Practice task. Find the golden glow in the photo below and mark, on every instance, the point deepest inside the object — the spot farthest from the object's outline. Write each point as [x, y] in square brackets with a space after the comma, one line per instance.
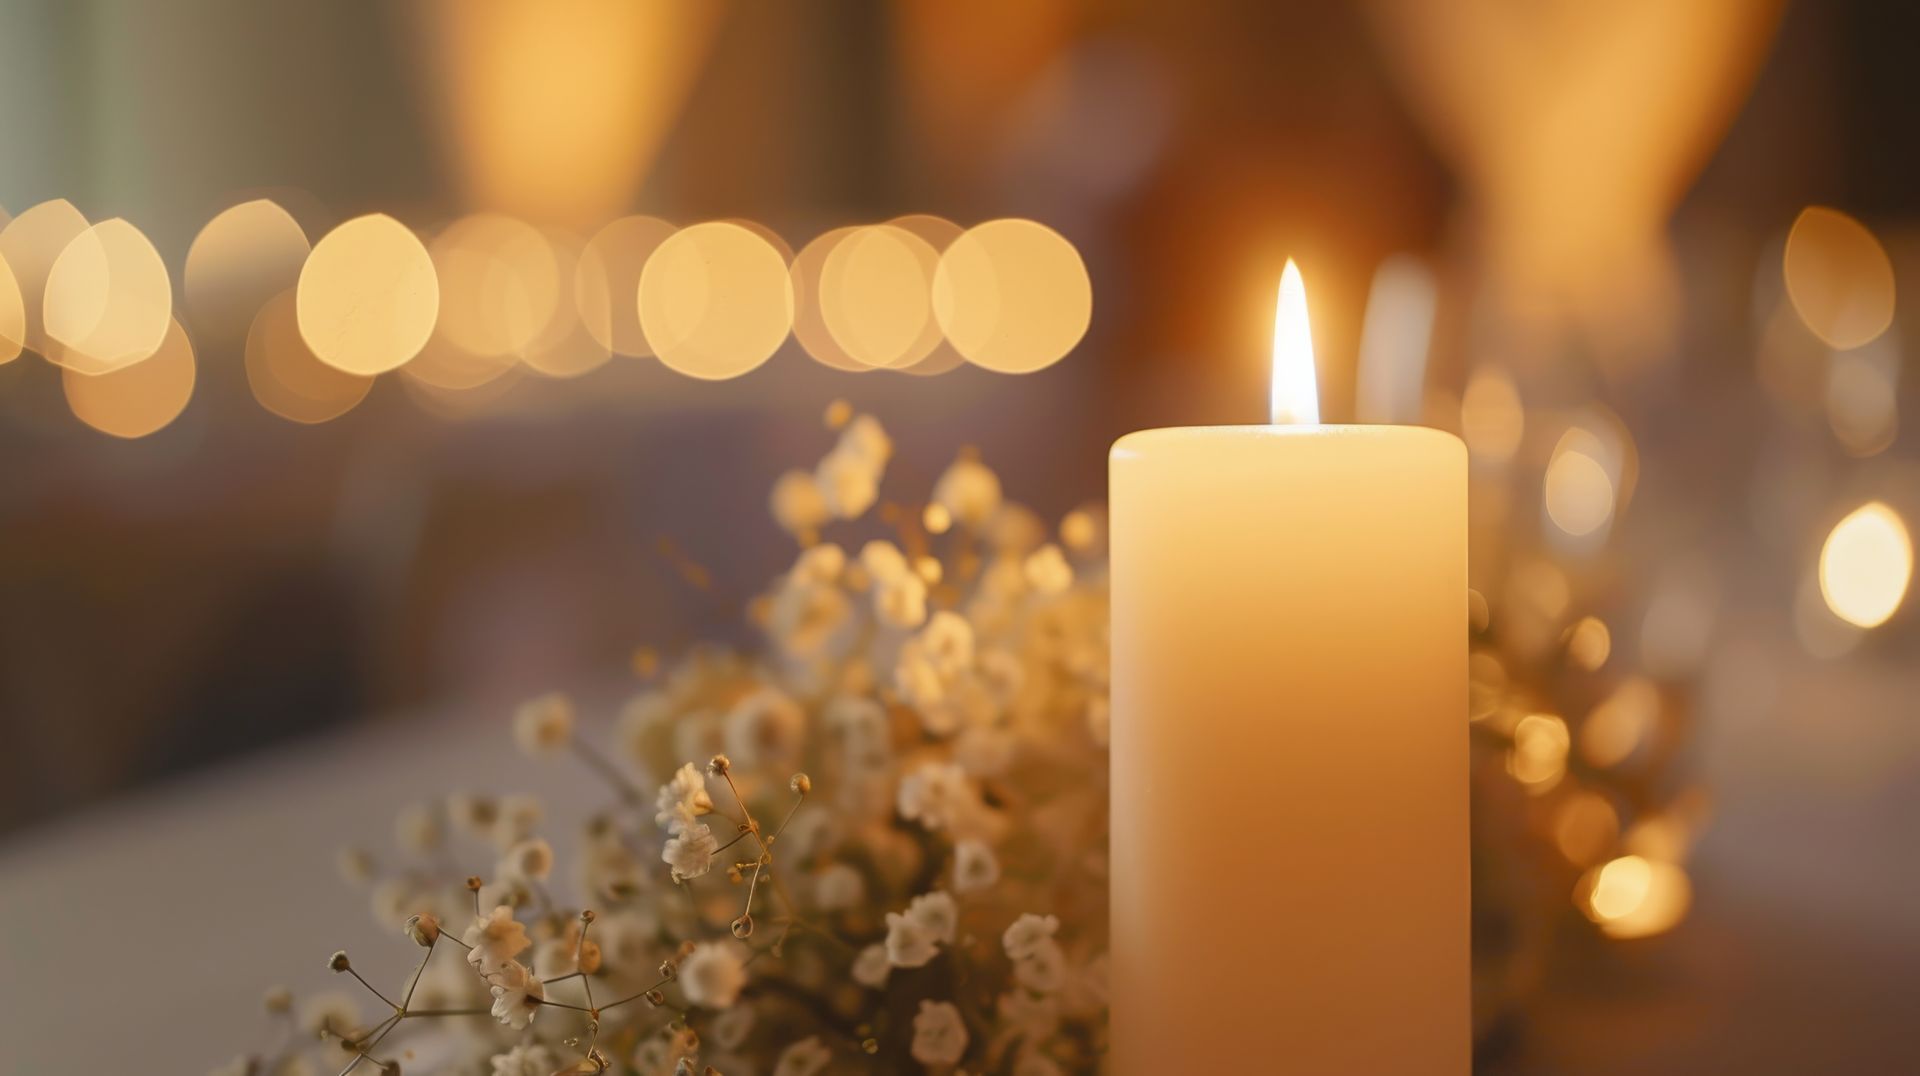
[1012, 296]
[1491, 417]
[1866, 564]
[939, 234]
[499, 284]
[244, 256]
[607, 281]
[135, 400]
[1861, 397]
[1636, 897]
[876, 296]
[108, 300]
[1579, 494]
[1589, 643]
[368, 296]
[1539, 756]
[1585, 827]
[1620, 723]
[30, 243]
[13, 315]
[715, 300]
[287, 377]
[809, 324]
[1838, 277]
[565, 348]
[936, 519]
[1295, 389]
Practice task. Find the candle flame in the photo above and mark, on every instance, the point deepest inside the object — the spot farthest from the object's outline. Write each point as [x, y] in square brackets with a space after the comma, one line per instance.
[1296, 393]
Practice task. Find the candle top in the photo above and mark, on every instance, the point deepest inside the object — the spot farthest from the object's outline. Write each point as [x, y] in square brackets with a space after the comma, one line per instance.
[1169, 437]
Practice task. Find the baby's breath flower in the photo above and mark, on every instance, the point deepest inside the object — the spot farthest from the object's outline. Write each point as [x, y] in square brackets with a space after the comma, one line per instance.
[1048, 571]
[517, 994]
[527, 1059]
[333, 1012]
[939, 1035]
[914, 937]
[799, 505]
[838, 888]
[1044, 969]
[278, 999]
[969, 491]
[544, 725]
[682, 799]
[808, 1057]
[473, 814]
[518, 818]
[494, 940]
[529, 860]
[872, 966]
[765, 729]
[847, 483]
[423, 928]
[713, 974]
[1027, 933]
[690, 852]
[974, 866]
[937, 795]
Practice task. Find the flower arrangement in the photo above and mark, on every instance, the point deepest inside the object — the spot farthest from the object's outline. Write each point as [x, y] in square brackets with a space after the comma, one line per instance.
[878, 843]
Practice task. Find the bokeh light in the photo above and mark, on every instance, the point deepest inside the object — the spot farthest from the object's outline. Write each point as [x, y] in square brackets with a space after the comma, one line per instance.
[564, 348]
[138, 399]
[1585, 827]
[607, 281]
[1012, 296]
[1579, 488]
[715, 300]
[1539, 756]
[1589, 643]
[13, 315]
[939, 234]
[809, 324]
[287, 377]
[500, 284]
[1491, 417]
[1839, 278]
[368, 296]
[1635, 897]
[876, 296]
[30, 243]
[1861, 396]
[1866, 564]
[108, 300]
[244, 257]
[1622, 721]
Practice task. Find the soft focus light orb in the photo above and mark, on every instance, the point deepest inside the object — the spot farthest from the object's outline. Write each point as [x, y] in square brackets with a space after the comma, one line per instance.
[1839, 278]
[1636, 897]
[715, 300]
[1012, 296]
[1862, 397]
[565, 348]
[1589, 643]
[137, 399]
[287, 377]
[1585, 827]
[108, 300]
[876, 296]
[368, 297]
[1539, 755]
[607, 281]
[1866, 564]
[809, 323]
[1491, 417]
[246, 255]
[1622, 721]
[30, 243]
[13, 315]
[939, 234]
[1579, 491]
[500, 283]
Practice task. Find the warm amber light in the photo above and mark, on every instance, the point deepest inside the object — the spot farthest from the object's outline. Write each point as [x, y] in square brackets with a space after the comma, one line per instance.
[715, 300]
[108, 300]
[135, 400]
[287, 377]
[13, 315]
[30, 243]
[368, 296]
[875, 296]
[1865, 565]
[1012, 296]
[246, 255]
[1838, 278]
[1636, 897]
[1296, 392]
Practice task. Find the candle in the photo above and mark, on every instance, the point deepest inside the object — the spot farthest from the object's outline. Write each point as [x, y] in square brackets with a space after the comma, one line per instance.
[1289, 857]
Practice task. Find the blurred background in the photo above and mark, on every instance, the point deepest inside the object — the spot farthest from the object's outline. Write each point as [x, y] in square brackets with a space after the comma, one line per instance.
[1645, 257]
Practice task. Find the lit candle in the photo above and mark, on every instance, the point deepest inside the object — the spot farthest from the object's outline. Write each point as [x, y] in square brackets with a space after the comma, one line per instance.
[1289, 858]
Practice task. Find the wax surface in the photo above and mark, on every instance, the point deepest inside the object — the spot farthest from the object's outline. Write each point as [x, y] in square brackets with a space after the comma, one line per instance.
[1289, 745]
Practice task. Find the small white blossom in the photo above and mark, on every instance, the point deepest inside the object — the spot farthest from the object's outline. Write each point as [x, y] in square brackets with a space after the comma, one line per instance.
[1027, 933]
[914, 936]
[1044, 969]
[1048, 571]
[713, 975]
[333, 1012]
[475, 815]
[531, 1059]
[838, 887]
[939, 1035]
[690, 852]
[517, 994]
[798, 504]
[936, 795]
[682, 799]
[544, 724]
[517, 819]
[969, 491]
[974, 867]
[494, 940]
[872, 966]
[529, 860]
[848, 483]
[808, 1057]
[765, 729]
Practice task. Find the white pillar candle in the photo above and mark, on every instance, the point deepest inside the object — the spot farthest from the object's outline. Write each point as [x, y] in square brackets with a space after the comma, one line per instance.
[1289, 857]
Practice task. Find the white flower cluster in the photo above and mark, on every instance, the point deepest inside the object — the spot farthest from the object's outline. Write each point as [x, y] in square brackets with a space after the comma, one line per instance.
[947, 689]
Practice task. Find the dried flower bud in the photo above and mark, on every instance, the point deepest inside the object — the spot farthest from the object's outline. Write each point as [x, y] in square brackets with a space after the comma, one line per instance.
[685, 951]
[743, 926]
[586, 915]
[668, 969]
[801, 784]
[338, 961]
[474, 883]
[719, 765]
[589, 957]
[278, 1000]
[655, 998]
[424, 929]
